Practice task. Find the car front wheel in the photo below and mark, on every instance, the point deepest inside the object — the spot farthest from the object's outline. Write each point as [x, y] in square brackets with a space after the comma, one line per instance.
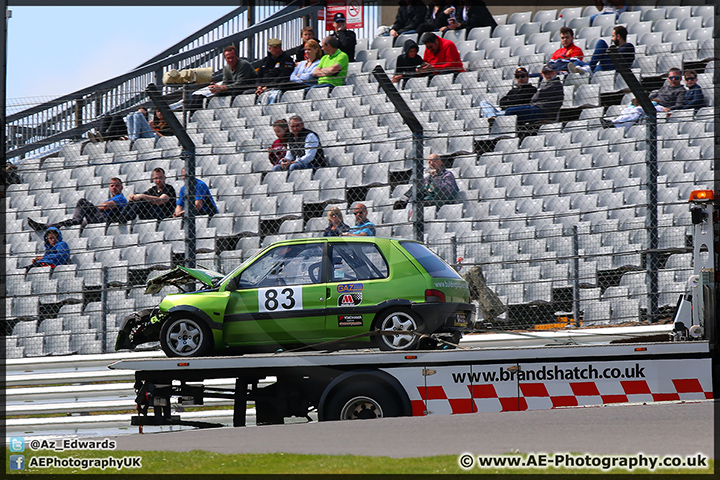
[185, 337]
[400, 320]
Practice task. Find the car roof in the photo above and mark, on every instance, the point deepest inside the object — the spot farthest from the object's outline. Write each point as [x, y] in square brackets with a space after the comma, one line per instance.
[373, 240]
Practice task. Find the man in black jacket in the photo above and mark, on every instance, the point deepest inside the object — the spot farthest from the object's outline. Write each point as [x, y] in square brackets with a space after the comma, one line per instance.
[469, 15]
[411, 13]
[346, 37]
[545, 103]
[520, 94]
[275, 69]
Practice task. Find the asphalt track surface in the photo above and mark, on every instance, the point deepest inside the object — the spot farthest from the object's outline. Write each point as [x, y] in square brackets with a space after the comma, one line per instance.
[651, 429]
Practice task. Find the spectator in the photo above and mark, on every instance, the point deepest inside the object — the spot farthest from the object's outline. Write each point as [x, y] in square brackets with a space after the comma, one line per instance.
[435, 19]
[600, 61]
[363, 227]
[345, 37]
[629, 115]
[278, 150]
[411, 14]
[333, 66]
[303, 73]
[694, 97]
[567, 52]
[86, 213]
[303, 148]
[112, 127]
[545, 103]
[160, 126]
[520, 94]
[441, 56]
[138, 125]
[407, 62]
[57, 252]
[204, 203]
[299, 53]
[438, 187]
[336, 226]
[672, 95]
[238, 75]
[609, 7]
[155, 203]
[275, 69]
[469, 15]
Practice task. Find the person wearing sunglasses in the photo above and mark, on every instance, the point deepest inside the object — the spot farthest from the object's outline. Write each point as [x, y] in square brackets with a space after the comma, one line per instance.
[363, 227]
[672, 95]
[520, 94]
[336, 225]
[694, 97]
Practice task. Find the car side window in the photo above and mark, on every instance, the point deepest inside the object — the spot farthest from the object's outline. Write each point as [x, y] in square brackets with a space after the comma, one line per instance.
[284, 265]
[357, 261]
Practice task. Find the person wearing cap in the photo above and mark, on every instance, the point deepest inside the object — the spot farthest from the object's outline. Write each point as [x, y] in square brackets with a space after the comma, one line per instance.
[347, 38]
[520, 94]
[545, 103]
[441, 56]
[333, 66]
[275, 69]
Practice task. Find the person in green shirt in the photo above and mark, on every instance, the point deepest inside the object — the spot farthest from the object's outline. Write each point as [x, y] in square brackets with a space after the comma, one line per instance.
[333, 65]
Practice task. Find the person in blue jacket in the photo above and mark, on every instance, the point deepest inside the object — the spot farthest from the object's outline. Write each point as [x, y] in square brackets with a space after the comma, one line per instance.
[57, 252]
[694, 97]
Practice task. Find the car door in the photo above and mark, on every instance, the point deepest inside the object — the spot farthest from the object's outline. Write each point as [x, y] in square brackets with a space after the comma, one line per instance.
[358, 279]
[280, 298]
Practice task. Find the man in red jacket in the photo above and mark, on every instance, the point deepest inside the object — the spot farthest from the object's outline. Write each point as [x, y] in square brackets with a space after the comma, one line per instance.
[567, 52]
[441, 56]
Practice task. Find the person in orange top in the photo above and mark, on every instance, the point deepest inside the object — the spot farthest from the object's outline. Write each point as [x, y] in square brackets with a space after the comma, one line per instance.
[567, 52]
[441, 56]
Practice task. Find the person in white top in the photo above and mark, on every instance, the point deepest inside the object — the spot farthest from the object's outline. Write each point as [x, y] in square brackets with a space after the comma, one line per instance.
[303, 73]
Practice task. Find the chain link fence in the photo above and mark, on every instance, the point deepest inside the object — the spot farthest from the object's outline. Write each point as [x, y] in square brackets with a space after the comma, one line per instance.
[553, 215]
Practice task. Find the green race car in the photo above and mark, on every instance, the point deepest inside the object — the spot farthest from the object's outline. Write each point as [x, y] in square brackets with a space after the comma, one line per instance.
[336, 291]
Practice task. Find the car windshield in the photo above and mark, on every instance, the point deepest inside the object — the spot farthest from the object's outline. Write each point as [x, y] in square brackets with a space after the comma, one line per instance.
[434, 265]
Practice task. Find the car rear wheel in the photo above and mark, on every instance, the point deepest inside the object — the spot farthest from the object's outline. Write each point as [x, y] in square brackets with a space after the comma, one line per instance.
[185, 337]
[398, 319]
[360, 401]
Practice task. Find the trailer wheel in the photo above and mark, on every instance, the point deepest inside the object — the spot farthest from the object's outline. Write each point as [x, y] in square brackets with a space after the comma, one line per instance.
[360, 401]
[398, 319]
[184, 336]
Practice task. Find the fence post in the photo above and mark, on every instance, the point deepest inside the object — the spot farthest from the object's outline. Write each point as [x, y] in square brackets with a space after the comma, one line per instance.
[576, 275]
[417, 130]
[104, 305]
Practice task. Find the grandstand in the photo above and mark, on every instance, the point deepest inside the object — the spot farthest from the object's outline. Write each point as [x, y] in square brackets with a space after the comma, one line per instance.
[535, 202]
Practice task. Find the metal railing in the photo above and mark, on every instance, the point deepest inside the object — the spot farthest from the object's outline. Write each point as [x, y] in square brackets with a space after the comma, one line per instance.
[47, 126]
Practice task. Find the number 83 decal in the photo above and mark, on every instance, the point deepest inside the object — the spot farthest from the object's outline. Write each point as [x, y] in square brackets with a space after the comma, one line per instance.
[281, 298]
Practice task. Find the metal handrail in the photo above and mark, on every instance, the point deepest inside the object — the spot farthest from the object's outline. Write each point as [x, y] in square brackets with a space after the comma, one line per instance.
[125, 91]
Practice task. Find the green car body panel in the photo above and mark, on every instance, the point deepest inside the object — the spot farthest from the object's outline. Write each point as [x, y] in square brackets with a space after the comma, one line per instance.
[314, 290]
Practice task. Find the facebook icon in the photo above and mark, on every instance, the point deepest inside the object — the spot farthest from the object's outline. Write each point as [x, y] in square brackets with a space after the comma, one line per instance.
[17, 462]
[17, 444]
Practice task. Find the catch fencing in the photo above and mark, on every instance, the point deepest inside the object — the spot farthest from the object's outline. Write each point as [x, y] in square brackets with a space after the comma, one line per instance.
[555, 215]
